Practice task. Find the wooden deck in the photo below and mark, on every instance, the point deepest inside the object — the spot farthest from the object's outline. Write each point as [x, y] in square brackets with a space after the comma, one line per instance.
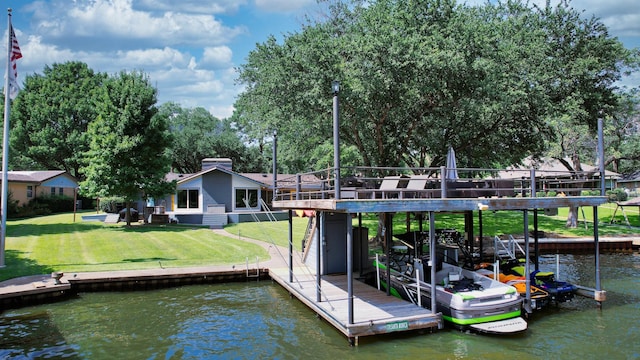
[374, 312]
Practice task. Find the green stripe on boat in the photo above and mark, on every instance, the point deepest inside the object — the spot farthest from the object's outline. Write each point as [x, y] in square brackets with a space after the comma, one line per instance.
[483, 319]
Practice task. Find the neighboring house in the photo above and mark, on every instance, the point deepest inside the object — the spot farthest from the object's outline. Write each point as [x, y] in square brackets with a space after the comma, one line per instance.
[25, 186]
[630, 182]
[551, 173]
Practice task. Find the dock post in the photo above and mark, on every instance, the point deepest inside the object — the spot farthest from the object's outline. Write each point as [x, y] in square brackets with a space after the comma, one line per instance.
[336, 138]
[536, 242]
[388, 224]
[318, 257]
[350, 269]
[527, 265]
[443, 182]
[290, 245]
[432, 258]
[597, 255]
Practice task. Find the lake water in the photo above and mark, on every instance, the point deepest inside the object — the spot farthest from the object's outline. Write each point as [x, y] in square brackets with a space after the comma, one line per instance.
[258, 320]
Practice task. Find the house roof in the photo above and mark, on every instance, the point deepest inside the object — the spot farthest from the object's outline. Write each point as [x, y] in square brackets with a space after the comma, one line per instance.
[186, 177]
[263, 179]
[635, 176]
[32, 176]
[550, 167]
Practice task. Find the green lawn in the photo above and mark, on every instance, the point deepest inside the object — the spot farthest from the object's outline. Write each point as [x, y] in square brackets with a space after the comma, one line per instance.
[55, 243]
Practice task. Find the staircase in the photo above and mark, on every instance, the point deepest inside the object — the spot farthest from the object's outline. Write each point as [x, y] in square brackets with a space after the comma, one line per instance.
[214, 221]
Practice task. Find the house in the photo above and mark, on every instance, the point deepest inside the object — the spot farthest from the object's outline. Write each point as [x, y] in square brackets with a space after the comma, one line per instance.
[25, 186]
[630, 182]
[217, 195]
[553, 175]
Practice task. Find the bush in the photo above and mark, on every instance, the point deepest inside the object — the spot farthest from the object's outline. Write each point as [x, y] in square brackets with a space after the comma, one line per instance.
[617, 195]
[12, 205]
[111, 204]
[54, 203]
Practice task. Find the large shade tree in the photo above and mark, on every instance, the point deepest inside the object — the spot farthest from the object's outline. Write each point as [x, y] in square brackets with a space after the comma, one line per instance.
[128, 154]
[51, 114]
[197, 135]
[583, 64]
[624, 134]
[492, 81]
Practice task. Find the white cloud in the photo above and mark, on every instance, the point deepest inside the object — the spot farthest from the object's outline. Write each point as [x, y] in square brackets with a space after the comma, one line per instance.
[35, 53]
[217, 57]
[117, 19]
[166, 57]
[193, 6]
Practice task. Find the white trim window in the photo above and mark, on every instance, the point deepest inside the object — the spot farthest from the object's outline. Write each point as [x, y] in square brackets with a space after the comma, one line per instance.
[29, 191]
[252, 198]
[188, 199]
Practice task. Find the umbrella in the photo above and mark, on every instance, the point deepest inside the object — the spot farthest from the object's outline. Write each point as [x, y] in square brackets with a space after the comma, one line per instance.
[452, 171]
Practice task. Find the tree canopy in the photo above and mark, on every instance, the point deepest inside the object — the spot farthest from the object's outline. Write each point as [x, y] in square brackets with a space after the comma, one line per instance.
[128, 153]
[497, 82]
[197, 135]
[51, 114]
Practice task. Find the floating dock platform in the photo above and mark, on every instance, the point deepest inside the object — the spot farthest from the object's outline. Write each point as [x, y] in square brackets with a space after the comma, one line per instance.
[374, 311]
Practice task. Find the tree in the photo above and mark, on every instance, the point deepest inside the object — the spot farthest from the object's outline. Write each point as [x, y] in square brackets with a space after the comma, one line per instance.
[583, 64]
[498, 82]
[128, 153]
[50, 117]
[197, 135]
[622, 134]
[420, 76]
[417, 76]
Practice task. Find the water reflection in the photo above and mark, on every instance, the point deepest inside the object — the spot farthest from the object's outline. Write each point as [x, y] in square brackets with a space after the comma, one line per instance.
[260, 320]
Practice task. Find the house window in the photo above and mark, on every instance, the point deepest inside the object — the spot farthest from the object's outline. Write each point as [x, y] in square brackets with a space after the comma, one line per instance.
[53, 191]
[29, 191]
[60, 191]
[251, 195]
[188, 199]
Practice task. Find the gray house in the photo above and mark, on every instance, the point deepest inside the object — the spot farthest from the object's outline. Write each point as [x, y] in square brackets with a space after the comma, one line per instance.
[217, 195]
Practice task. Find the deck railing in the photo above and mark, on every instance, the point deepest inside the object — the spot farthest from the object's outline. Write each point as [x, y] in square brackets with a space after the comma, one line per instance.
[416, 183]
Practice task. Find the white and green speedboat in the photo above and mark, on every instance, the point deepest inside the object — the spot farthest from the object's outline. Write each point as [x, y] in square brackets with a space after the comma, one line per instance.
[466, 299]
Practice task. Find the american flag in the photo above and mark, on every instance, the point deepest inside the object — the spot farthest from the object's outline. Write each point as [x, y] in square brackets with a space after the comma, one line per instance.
[13, 72]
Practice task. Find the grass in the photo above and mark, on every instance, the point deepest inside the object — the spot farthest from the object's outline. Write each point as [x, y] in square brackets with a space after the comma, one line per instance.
[56, 243]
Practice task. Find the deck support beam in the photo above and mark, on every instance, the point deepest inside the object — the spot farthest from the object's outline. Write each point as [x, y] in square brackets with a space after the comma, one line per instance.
[349, 269]
[318, 257]
[432, 258]
[290, 245]
[596, 245]
[527, 263]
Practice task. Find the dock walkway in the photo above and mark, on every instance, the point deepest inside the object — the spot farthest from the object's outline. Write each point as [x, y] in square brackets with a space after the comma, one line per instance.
[374, 311]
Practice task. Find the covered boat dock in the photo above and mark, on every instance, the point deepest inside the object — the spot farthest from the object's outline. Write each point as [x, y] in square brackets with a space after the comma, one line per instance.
[340, 250]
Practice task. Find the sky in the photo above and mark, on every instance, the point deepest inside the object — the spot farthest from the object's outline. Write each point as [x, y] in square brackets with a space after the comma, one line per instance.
[191, 48]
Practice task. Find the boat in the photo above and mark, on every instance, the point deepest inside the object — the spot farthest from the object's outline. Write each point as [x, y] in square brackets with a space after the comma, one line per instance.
[467, 300]
[560, 291]
[539, 297]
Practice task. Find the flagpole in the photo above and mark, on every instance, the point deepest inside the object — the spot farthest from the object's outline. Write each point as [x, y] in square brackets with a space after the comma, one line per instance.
[5, 144]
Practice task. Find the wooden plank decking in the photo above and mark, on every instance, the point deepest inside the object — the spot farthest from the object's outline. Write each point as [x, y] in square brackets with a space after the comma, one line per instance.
[373, 311]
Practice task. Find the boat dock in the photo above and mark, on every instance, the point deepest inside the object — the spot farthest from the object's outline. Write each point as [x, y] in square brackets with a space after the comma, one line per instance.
[609, 244]
[554, 245]
[374, 311]
[39, 289]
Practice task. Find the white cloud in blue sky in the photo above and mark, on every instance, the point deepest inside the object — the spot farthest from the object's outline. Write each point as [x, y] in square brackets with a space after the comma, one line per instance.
[190, 48]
